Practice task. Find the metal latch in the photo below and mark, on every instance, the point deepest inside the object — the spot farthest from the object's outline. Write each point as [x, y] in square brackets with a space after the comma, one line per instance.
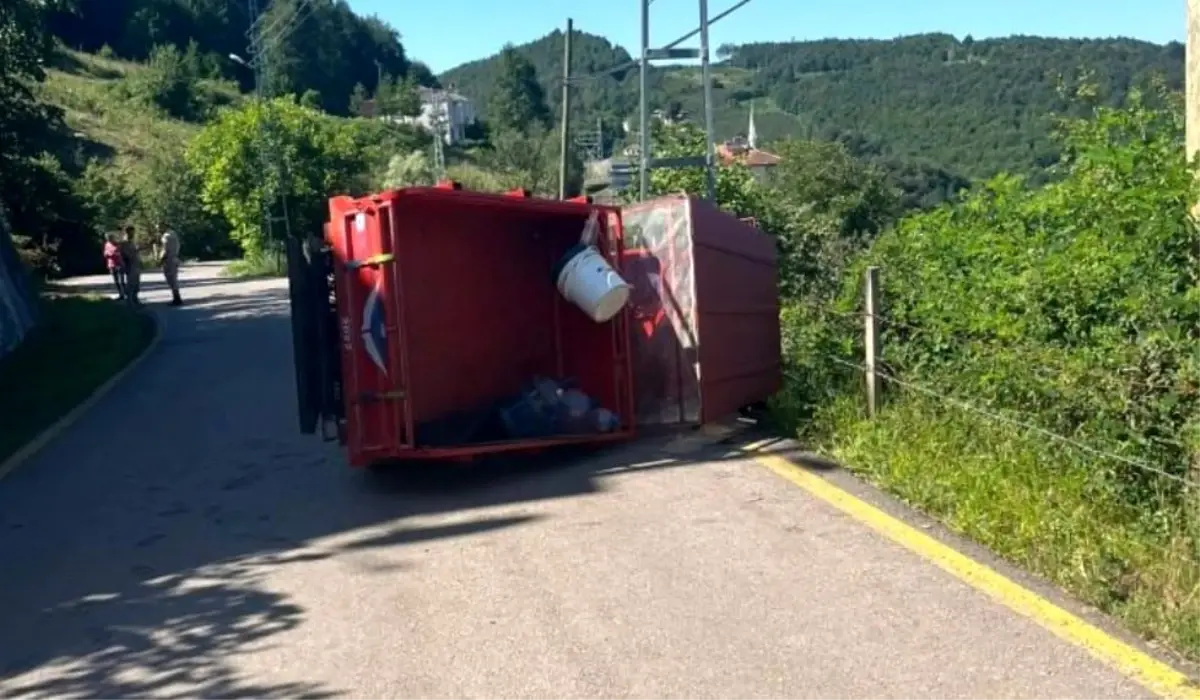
[373, 261]
[376, 396]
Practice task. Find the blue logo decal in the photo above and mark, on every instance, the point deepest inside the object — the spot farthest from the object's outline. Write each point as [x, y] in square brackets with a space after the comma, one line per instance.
[374, 330]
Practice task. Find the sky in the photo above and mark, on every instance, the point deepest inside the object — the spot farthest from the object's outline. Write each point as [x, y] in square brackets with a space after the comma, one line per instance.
[446, 34]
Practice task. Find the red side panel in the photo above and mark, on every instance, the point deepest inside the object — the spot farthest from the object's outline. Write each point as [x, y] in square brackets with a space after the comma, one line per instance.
[372, 365]
[737, 311]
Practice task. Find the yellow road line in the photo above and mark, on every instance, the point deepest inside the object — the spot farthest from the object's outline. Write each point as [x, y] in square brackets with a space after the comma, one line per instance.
[1138, 665]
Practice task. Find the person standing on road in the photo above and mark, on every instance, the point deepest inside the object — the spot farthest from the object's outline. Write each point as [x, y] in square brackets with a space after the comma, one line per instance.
[115, 263]
[133, 267]
[170, 262]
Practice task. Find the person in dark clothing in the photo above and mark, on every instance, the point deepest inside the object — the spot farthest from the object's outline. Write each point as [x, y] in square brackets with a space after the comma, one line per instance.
[133, 267]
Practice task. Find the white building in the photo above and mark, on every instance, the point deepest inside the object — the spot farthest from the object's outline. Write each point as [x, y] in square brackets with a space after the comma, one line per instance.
[445, 108]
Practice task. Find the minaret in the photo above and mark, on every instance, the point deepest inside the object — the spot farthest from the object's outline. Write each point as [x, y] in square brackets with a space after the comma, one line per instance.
[751, 132]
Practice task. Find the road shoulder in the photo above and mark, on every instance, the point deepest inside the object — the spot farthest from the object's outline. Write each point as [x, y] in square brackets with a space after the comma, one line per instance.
[1017, 590]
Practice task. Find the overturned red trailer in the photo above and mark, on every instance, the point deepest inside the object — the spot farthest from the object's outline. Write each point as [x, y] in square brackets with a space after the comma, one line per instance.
[429, 322]
[445, 307]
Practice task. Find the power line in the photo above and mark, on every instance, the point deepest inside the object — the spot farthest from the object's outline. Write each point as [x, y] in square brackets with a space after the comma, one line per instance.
[263, 40]
[1038, 364]
[634, 63]
[279, 30]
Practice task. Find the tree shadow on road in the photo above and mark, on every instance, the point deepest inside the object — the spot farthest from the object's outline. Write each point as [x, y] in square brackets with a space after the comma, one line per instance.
[166, 636]
[135, 563]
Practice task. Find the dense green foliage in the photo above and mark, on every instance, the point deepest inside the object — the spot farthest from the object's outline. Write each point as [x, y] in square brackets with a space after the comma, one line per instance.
[350, 49]
[92, 143]
[977, 107]
[929, 109]
[608, 98]
[323, 156]
[518, 102]
[1072, 308]
[34, 189]
[1092, 280]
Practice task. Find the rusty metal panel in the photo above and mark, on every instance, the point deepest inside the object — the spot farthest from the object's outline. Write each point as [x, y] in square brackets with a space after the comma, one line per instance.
[735, 266]
[705, 303]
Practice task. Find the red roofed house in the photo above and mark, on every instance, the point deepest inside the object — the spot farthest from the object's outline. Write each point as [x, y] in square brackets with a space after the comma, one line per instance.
[745, 150]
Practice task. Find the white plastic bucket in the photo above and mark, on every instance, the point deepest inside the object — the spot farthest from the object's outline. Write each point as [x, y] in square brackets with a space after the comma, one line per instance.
[589, 282]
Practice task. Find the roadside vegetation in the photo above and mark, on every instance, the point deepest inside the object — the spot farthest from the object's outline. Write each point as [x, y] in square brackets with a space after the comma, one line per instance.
[1041, 376]
[79, 343]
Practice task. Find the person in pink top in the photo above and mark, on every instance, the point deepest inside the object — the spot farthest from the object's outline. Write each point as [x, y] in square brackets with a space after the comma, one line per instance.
[116, 263]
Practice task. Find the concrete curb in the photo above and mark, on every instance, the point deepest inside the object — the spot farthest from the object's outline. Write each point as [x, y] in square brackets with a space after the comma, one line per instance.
[44, 438]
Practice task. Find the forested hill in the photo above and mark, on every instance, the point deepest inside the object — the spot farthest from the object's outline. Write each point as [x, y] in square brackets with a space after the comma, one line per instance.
[610, 96]
[972, 107]
[350, 49]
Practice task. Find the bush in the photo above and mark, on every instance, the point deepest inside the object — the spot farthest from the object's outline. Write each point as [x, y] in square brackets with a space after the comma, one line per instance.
[169, 82]
[168, 192]
[1073, 308]
[1076, 304]
[409, 169]
[324, 155]
[257, 265]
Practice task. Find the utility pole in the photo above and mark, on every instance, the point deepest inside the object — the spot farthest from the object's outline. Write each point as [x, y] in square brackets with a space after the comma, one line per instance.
[1192, 83]
[644, 106]
[1192, 77]
[441, 103]
[710, 177]
[565, 140]
[670, 52]
[260, 55]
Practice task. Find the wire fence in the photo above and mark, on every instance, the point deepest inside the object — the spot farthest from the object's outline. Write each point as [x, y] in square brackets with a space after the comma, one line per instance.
[18, 299]
[875, 365]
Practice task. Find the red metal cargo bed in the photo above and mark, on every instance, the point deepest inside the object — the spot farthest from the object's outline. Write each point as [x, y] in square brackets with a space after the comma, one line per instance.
[445, 302]
[705, 336]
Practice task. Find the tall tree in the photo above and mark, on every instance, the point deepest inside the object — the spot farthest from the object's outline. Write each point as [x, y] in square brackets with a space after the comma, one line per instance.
[25, 48]
[408, 97]
[518, 102]
[358, 97]
[34, 189]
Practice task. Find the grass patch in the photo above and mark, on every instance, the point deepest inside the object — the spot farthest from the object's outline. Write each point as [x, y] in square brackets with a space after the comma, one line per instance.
[79, 343]
[1036, 503]
[88, 88]
[88, 93]
[257, 266]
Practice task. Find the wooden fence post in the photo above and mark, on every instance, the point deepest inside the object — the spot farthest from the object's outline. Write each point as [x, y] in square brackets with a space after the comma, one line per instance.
[871, 329]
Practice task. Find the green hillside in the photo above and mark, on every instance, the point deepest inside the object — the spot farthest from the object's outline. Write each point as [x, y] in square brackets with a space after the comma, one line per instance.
[92, 92]
[972, 107]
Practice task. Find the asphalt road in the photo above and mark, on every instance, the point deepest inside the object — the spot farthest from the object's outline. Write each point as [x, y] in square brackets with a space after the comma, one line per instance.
[183, 540]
